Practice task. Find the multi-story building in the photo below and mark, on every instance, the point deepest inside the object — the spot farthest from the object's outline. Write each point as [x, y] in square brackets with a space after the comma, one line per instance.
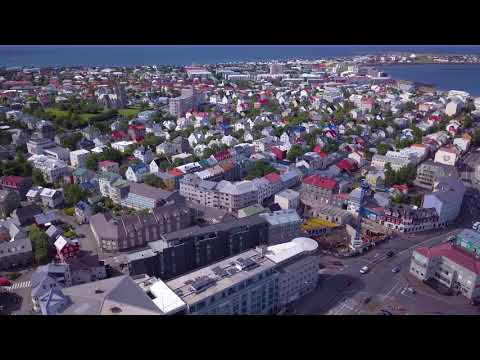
[52, 170]
[396, 162]
[317, 190]
[429, 171]
[258, 281]
[79, 157]
[36, 146]
[18, 184]
[141, 197]
[446, 198]
[447, 155]
[117, 234]
[288, 199]
[185, 250]
[408, 219]
[454, 264]
[283, 225]
[180, 105]
[15, 246]
[57, 153]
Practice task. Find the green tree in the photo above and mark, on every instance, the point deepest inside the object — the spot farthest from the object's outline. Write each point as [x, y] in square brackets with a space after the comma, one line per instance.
[153, 180]
[295, 152]
[152, 140]
[42, 249]
[382, 148]
[37, 178]
[74, 193]
[476, 137]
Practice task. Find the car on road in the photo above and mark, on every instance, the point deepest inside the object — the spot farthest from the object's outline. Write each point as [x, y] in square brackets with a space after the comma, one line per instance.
[367, 300]
[390, 253]
[364, 270]
[411, 290]
[396, 269]
[384, 312]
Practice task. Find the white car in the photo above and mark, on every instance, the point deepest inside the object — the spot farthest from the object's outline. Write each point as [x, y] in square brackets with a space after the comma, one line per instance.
[364, 270]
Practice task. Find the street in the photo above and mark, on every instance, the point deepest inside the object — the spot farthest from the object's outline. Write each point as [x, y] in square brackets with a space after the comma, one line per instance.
[344, 291]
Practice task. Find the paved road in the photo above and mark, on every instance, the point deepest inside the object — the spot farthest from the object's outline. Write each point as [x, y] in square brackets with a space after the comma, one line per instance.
[342, 289]
[16, 300]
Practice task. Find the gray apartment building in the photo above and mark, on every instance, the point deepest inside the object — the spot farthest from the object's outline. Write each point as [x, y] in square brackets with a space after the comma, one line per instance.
[15, 246]
[126, 232]
[188, 100]
[429, 171]
[283, 225]
[258, 281]
[185, 250]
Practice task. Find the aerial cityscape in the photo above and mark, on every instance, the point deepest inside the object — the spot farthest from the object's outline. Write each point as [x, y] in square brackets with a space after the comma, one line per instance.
[294, 184]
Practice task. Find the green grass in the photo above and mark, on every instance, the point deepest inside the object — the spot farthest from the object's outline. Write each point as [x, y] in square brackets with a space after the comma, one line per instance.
[129, 112]
[56, 112]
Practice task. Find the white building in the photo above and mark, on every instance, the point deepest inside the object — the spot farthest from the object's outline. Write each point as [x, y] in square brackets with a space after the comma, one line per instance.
[51, 169]
[288, 199]
[447, 156]
[446, 198]
[122, 146]
[78, 157]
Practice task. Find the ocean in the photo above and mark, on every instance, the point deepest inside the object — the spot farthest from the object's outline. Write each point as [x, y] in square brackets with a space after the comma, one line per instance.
[459, 77]
[465, 77]
[113, 55]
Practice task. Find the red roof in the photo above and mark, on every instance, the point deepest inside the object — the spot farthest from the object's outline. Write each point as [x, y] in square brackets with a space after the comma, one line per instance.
[320, 181]
[12, 180]
[273, 177]
[454, 254]
[176, 172]
[345, 165]
[106, 163]
[118, 134]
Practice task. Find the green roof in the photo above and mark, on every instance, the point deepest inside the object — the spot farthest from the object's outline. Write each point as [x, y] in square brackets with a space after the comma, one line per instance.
[251, 210]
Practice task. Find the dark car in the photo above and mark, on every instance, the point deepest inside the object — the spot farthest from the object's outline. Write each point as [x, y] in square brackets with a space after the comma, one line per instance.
[384, 312]
[390, 253]
[367, 300]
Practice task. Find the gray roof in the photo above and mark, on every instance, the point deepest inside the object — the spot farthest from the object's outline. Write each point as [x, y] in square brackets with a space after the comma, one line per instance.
[224, 226]
[118, 295]
[149, 191]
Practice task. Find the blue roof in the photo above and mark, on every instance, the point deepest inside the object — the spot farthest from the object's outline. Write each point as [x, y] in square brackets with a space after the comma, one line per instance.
[138, 167]
[82, 205]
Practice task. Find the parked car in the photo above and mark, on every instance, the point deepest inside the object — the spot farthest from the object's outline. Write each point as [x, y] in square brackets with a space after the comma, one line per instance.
[367, 300]
[390, 253]
[396, 269]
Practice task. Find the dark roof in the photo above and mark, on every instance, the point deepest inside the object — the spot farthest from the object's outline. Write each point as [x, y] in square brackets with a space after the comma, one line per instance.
[224, 226]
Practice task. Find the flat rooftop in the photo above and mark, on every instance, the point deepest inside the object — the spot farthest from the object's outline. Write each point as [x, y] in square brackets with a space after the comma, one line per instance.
[228, 275]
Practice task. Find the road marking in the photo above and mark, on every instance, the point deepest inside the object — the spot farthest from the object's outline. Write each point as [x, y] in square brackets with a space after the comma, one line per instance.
[428, 240]
[391, 290]
[20, 285]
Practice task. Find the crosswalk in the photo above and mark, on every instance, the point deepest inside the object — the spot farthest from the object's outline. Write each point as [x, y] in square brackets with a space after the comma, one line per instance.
[19, 285]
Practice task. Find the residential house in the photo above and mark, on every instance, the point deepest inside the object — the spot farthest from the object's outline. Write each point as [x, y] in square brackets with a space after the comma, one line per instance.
[18, 184]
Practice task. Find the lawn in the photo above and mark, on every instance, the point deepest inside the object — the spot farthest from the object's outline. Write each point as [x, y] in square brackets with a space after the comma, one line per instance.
[56, 112]
[129, 112]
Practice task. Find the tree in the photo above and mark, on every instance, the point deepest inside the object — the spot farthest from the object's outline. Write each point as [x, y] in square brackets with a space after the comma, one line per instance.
[259, 169]
[71, 141]
[152, 140]
[42, 249]
[37, 178]
[74, 193]
[153, 180]
[382, 148]
[91, 162]
[476, 137]
[295, 152]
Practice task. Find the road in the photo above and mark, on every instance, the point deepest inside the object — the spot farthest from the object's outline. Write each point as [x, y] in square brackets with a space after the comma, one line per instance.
[17, 300]
[342, 289]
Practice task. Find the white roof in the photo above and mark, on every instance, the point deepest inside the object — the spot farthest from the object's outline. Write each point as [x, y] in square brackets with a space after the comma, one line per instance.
[282, 252]
[60, 242]
[165, 299]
